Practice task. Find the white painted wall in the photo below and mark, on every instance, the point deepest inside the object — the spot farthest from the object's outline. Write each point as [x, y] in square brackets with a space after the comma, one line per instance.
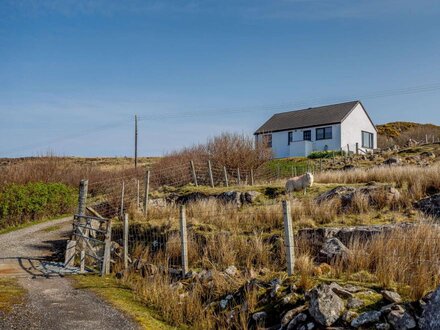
[352, 127]
[348, 132]
[282, 149]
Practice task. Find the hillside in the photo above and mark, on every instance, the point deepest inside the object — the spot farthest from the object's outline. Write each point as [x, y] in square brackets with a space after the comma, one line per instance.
[399, 133]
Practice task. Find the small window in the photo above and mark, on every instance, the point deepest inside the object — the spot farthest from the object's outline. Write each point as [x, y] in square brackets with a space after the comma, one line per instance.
[307, 135]
[367, 140]
[324, 133]
[267, 140]
[289, 138]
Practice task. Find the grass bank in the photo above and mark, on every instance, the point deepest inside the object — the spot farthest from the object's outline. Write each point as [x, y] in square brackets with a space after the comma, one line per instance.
[123, 298]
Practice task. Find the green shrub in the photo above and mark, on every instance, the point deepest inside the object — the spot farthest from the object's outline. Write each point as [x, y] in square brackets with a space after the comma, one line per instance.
[325, 154]
[34, 201]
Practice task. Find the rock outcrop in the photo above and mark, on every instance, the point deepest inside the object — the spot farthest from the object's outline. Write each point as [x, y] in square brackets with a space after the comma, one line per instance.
[429, 205]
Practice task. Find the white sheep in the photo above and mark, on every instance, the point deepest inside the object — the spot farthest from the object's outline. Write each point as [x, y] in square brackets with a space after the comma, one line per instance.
[299, 183]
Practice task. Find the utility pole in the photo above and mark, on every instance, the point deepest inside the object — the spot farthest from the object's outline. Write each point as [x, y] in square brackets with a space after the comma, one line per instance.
[135, 141]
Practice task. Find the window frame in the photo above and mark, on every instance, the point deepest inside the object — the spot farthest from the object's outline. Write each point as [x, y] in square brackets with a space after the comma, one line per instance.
[309, 131]
[370, 140]
[324, 136]
[289, 137]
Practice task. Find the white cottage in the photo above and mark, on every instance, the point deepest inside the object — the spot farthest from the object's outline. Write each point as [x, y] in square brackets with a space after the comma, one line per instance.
[330, 127]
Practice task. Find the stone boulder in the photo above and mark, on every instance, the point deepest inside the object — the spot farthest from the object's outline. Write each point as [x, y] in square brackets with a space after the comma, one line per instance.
[401, 320]
[249, 197]
[324, 305]
[230, 197]
[429, 205]
[430, 318]
[193, 197]
[332, 250]
[346, 194]
[427, 154]
[366, 318]
[392, 161]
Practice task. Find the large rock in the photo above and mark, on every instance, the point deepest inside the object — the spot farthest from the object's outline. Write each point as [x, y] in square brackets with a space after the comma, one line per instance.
[429, 205]
[427, 154]
[332, 250]
[324, 305]
[366, 319]
[230, 197]
[291, 314]
[392, 161]
[346, 194]
[391, 296]
[430, 319]
[193, 197]
[249, 197]
[401, 320]
[317, 237]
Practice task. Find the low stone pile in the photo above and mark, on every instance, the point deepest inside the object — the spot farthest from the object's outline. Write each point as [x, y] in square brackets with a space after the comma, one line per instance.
[346, 194]
[282, 305]
[234, 197]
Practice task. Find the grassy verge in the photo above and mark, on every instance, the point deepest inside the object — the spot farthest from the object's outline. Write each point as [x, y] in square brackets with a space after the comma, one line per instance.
[32, 223]
[122, 298]
[11, 293]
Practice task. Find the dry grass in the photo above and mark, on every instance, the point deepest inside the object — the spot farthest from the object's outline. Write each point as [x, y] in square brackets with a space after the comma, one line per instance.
[404, 258]
[417, 180]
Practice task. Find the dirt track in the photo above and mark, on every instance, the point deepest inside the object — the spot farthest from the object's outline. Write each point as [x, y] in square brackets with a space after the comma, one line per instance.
[52, 302]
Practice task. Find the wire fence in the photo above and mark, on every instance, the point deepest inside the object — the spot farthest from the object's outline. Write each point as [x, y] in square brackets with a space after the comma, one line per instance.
[154, 232]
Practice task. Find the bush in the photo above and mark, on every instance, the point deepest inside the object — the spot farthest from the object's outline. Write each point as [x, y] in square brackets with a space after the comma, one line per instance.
[228, 149]
[33, 201]
[325, 154]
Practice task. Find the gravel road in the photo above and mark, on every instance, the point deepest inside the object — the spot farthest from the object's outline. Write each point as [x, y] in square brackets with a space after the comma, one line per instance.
[52, 302]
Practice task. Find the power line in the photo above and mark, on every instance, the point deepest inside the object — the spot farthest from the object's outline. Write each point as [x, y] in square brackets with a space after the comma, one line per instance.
[231, 111]
[291, 105]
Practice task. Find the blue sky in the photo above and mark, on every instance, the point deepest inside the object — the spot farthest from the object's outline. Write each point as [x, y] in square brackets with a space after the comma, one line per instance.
[73, 73]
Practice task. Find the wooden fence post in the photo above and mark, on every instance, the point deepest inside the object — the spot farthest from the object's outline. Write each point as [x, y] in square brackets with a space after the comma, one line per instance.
[138, 201]
[288, 233]
[184, 241]
[121, 213]
[348, 149]
[426, 138]
[82, 261]
[225, 172]
[126, 241]
[105, 268]
[238, 176]
[193, 170]
[82, 197]
[146, 192]
[295, 171]
[278, 171]
[320, 164]
[70, 253]
[357, 148]
[252, 177]
[211, 178]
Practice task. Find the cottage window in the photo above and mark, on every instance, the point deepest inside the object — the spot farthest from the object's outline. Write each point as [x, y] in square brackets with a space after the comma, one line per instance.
[307, 135]
[324, 133]
[367, 140]
[289, 138]
[267, 140]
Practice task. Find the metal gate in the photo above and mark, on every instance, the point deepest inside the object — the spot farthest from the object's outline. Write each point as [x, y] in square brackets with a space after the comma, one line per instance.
[90, 245]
